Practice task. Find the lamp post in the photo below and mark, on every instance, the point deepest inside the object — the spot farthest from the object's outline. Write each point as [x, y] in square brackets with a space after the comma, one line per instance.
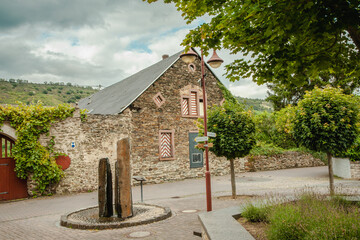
[214, 62]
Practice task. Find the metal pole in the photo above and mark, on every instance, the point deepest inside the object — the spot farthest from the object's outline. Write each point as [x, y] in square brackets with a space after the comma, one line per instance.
[207, 172]
[141, 190]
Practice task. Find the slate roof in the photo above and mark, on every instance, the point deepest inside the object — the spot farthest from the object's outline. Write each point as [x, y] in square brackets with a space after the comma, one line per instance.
[117, 97]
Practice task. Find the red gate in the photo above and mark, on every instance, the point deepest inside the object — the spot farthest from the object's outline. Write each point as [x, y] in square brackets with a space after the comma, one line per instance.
[11, 187]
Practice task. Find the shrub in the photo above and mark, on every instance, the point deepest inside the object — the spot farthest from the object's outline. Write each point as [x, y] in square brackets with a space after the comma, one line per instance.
[266, 149]
[312, 216]
[256, 214]
[284, 119]
[354, 152]
[265, 127]
[315, 218]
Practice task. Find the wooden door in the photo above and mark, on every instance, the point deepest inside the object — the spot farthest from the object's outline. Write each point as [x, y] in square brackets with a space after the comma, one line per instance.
[11, 187]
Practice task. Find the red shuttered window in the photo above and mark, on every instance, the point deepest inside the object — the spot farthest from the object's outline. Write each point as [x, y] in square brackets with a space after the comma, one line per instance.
[190, 105]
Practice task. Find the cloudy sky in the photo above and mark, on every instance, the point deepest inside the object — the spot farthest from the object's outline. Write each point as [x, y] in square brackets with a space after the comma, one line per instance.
[92, 42]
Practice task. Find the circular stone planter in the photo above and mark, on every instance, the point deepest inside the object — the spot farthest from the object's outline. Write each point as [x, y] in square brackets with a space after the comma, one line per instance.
[89, 218]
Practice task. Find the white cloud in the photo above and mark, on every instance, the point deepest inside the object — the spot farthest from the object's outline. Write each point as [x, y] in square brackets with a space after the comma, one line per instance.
[248, 89]
[101, 44]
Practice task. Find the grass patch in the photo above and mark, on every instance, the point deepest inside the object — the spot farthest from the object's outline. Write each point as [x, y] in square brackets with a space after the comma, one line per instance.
[312, 216]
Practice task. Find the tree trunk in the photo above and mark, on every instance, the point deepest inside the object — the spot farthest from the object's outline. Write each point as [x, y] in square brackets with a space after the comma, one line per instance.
[355, 36]
[232, 171]
[331, 174]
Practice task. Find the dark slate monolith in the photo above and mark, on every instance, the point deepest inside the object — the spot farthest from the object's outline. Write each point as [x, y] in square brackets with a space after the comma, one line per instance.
[123, 198]
[105, 189]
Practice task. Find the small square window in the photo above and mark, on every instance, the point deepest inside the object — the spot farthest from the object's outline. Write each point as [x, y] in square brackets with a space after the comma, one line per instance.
[159, 99]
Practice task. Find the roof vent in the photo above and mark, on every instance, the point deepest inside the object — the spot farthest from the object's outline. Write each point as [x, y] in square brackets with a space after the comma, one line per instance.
[165, 56]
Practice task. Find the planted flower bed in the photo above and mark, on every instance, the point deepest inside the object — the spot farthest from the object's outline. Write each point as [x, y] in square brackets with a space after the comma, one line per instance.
[313, 216]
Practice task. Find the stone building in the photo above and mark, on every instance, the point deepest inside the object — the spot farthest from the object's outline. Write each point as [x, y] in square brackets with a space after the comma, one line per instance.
[161, 102]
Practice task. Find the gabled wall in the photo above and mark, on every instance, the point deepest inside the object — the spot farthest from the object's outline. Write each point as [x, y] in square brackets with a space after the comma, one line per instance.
[148, 119]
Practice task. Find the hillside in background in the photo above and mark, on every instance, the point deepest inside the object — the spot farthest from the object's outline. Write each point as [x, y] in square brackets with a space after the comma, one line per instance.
[50, 94]
[258, 105]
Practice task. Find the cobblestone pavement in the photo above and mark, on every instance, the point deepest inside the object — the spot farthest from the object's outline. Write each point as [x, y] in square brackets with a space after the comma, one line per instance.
[40, 218]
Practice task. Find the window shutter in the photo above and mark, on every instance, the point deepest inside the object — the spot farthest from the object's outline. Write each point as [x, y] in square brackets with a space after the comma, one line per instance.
[185, 106]
[165, 145]
[193, 99]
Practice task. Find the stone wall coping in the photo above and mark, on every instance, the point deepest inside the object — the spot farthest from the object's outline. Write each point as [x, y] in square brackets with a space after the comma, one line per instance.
[221, 224]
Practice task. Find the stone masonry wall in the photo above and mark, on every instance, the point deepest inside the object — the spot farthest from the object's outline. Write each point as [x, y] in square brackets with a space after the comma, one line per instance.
[148, 119]
[94, 138]
[355, 169]
[281, 161]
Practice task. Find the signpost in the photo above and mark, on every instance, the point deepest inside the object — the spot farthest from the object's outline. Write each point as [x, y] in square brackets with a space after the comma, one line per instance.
[201, 139]
[202, 145]
[211, 134]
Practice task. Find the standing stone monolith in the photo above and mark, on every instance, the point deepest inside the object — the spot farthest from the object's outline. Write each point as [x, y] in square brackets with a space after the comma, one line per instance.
[123, 198]
[105, 189]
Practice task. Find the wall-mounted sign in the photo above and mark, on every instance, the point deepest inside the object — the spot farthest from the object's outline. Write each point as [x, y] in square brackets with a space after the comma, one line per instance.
[72, 144]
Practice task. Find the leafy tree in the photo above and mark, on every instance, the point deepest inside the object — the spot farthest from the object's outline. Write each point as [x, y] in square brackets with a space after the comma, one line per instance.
[235, 133]
[326, 121]
[285, 43]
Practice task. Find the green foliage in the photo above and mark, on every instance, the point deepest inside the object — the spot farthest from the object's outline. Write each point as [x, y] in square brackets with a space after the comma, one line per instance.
[234, 128]
[314, 218]
[30, 156]
[48, 94]
[265, 127]
[276, 128]
[284, 127]
[256, 213]
[292, 45]
[266, 149]
[83, 114]
[326, 120]
[353, 152]
[227, 94]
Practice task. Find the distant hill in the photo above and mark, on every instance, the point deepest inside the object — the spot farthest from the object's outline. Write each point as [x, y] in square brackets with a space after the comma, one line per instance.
[50, 94]
[259, 105]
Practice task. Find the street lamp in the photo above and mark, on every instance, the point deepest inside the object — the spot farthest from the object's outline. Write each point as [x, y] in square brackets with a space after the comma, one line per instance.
[214, 62]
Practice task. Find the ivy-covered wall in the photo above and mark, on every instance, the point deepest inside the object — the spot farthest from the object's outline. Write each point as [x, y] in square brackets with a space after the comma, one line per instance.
[32, 158]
